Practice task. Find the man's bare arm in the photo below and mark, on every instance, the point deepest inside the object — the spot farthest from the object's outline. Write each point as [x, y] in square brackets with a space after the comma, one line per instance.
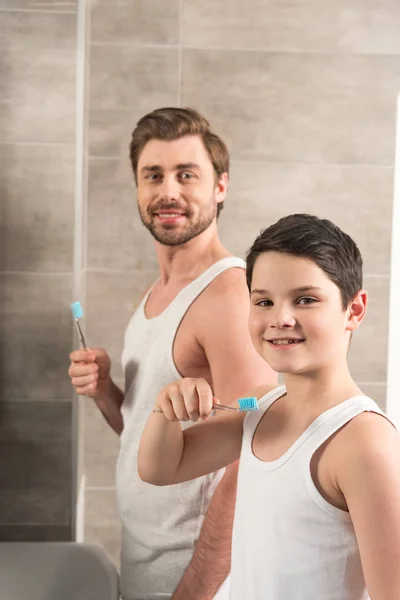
[213, 550]
[90, 375]
[236, 369]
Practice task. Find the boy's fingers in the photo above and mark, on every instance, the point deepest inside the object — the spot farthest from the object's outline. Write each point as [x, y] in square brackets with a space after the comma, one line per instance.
[205, 398]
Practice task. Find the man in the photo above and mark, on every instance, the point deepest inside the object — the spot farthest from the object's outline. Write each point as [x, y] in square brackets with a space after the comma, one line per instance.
[193, 322]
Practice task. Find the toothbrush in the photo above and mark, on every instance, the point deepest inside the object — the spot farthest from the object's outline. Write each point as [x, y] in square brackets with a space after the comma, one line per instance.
[77, 313]
[245, 404]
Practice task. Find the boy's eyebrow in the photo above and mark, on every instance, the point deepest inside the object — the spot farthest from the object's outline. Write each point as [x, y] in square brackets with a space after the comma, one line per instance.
[305, 288]
[179, 167]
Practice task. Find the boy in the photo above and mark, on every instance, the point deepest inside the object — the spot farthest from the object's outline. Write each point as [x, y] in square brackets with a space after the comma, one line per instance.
[317, 512]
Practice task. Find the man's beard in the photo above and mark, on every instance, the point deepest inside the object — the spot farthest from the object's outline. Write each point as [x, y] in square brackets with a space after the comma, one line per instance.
[170, 235]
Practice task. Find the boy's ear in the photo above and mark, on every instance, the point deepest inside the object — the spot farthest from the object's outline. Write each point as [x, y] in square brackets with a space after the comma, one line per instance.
[356, 310]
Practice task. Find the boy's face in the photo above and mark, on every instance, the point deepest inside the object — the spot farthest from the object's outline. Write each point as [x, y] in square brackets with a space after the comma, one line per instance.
[177, 189]
[297, 321]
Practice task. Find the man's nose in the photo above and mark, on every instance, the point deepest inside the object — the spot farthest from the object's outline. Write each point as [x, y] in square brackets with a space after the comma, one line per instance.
[169, 189]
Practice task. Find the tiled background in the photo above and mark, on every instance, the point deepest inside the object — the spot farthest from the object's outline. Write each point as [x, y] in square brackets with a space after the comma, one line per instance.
[303, 93]
[37, 135]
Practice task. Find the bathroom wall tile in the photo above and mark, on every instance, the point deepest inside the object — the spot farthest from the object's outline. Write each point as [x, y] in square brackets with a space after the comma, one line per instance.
[59, 6]
[37, 196]
[102, 524]
[310, 25]
[126, 83]
[35, 463]
[125, 243]
[139, 22]
[376, 391]
[35, 533]
[111, 301]
[350, 196]
[36, 335]
[297, 107]
[101, 447]
[37, 99]
[368, 348]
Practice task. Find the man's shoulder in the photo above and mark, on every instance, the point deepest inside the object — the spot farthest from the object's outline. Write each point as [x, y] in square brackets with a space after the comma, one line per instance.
[232, 279]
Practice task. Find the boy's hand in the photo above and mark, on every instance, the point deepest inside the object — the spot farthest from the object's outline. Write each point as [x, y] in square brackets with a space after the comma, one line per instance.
[188, 399]
[90, 372]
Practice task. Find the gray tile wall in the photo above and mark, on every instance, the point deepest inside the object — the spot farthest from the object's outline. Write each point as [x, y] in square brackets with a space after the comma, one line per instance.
[304, 94]
[37, 129]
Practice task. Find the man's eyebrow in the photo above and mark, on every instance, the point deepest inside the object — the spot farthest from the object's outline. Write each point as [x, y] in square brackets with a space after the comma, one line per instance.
[188, 165]
[179, 167]
[304, 288]
[151, 168]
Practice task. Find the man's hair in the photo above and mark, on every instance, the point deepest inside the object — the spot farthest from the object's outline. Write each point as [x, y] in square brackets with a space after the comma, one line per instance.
[319, 240]
[169, 124]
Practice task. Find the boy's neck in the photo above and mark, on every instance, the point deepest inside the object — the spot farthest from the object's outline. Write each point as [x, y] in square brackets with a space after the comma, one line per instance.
[320, 390]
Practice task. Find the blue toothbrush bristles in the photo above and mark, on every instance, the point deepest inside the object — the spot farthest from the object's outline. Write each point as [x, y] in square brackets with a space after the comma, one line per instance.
[77, 313]
[77, 310]
[248, 403]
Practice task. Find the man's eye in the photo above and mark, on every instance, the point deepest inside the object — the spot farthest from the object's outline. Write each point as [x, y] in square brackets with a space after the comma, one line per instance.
[307, 300]
[152, 176]
[186, 176]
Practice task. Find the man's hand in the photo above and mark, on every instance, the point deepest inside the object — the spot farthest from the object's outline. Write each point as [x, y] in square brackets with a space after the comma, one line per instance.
[90, 372]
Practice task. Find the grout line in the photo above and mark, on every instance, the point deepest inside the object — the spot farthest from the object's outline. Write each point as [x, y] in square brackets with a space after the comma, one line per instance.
[45, 144]
[180, 51]
[100, 488]
[42, 10]
[267, 162]
[40, 273]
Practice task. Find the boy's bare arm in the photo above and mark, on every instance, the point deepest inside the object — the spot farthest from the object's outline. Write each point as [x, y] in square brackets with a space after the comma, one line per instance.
[368, 475]
[169, 455]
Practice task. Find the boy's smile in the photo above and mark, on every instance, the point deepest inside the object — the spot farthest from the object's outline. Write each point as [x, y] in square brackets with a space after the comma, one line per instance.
[297, 321]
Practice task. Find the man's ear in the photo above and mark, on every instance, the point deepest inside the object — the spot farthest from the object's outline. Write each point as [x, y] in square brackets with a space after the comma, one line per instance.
[357, 310]
[222, 187]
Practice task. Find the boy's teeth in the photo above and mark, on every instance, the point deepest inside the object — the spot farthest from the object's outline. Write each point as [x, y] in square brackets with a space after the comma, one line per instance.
[279, 342]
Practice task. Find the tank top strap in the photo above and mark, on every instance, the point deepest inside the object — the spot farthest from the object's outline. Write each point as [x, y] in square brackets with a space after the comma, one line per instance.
[336, 417]
[252, 419]
[188, 294]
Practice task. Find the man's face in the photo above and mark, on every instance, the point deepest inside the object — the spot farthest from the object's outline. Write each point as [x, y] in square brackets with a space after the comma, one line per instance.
[177, 189]
[297, 321]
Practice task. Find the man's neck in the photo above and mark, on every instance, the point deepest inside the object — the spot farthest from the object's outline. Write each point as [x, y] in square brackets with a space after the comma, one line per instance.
[181, 264]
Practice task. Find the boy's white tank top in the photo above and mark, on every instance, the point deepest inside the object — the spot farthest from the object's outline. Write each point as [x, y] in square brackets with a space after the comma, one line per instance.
[160, 525]
[289, 543]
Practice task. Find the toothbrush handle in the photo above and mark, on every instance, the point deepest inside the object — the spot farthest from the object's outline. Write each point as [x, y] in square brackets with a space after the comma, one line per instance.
[223, 407]
[215, 406]
[81, 336]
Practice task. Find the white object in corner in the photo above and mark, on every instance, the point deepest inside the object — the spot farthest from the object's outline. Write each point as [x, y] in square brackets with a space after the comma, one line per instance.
[393, 374]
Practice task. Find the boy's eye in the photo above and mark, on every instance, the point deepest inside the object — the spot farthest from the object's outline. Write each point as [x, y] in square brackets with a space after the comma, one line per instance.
[186, 175]
[307, 300]
[264, 303]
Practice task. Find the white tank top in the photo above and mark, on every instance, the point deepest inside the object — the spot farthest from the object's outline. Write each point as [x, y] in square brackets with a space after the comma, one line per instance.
[160, 525]
[289, 543]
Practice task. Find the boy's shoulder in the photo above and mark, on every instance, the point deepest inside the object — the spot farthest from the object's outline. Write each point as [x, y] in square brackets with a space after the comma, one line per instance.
[365, 442]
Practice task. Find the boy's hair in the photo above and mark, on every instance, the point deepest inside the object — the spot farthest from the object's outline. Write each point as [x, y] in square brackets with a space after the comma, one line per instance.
[319, 240]
[169, 124]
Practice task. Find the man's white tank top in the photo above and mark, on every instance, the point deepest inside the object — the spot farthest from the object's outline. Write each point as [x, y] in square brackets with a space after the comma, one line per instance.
[289, 543]
[160, 525]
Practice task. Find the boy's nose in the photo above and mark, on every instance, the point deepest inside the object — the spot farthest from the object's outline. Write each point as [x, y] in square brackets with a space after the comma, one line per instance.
[282, 318]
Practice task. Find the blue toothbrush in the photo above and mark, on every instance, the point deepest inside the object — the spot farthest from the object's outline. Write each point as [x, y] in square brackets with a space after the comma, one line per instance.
[245, 404]
[77, 313]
